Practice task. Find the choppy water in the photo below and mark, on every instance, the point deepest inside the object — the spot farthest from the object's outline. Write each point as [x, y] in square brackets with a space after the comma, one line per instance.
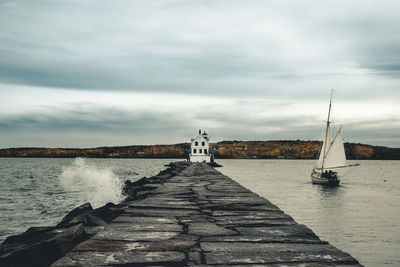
[360, 217]
[39, 192]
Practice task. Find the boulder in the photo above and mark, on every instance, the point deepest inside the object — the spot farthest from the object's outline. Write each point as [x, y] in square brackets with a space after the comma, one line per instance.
[88, 216]
[76, 213]
[107, 212]
[129, 190]
[40, 246]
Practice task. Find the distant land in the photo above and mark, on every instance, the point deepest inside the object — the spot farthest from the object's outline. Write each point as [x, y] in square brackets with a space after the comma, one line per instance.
[224, 150]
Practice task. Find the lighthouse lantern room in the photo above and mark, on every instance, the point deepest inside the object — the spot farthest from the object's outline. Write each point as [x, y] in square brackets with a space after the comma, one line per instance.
[200, 148]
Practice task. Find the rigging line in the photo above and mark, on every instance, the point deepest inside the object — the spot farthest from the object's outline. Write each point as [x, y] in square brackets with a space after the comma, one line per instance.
[346, 173]
[337, 134]
[334, 139]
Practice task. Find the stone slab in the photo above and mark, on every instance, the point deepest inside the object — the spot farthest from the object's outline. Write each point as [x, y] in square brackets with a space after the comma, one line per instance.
[155, 212]
[273, 257]
[208, 229]
[135, 258]
[179, 242]
[148, 220]
[278, 258]
[121, 235]
[262, 239]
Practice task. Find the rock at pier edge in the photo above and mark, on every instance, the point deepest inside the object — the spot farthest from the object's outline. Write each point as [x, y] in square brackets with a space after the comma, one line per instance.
[186, 215]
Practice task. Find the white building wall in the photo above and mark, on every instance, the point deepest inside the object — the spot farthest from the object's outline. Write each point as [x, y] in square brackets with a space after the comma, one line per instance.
[200, 149]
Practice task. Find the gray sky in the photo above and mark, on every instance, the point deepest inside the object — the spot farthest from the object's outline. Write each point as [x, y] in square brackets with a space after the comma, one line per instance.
[90, 73]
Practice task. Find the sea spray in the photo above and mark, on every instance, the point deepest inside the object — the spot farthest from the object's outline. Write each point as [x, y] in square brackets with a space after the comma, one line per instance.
[95, 185]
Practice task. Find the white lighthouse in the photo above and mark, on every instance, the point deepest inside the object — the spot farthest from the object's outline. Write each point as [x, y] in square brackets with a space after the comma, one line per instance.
[200, 148]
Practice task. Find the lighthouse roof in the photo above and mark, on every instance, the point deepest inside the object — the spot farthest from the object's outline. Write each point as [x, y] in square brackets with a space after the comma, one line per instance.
[203, 135]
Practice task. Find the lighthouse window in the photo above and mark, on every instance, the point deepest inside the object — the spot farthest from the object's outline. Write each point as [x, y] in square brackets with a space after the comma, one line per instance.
[196, 143]
[205, 151]
[200, 151]
[203, 143]
[194, 151]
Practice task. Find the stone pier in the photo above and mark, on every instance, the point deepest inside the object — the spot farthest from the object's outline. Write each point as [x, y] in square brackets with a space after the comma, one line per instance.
[202, 217]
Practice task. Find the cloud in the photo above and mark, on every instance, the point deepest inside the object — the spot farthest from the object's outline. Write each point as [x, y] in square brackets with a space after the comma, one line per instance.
[127, 72]
[172, 119]
[181, 47]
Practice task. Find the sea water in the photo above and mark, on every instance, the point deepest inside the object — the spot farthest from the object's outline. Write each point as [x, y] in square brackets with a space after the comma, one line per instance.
[361, 216]
[39, 192]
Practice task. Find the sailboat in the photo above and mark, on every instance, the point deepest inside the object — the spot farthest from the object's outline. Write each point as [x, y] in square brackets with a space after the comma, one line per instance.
[331, 157]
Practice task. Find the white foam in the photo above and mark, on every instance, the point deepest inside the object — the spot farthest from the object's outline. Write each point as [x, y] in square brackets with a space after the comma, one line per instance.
[96, 185]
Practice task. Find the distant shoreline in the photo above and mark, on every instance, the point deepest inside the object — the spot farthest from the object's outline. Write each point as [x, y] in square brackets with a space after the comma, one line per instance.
[285, 149]
[27, 157]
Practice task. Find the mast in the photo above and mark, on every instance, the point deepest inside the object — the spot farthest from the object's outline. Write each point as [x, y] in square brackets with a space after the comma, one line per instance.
[326, 131]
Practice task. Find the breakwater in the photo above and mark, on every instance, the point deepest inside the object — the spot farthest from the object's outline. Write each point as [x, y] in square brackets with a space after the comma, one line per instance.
[184, 216]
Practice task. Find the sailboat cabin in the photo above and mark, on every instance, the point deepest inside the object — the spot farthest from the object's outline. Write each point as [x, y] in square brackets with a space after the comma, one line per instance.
[200, 148]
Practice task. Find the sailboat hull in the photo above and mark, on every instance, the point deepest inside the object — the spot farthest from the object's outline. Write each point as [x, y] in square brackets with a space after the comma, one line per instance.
[317, 179]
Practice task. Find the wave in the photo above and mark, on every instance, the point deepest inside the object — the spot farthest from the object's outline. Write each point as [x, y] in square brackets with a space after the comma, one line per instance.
[93, 184]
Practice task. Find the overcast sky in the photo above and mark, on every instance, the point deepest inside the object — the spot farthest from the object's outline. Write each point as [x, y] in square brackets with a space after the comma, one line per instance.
[84, 73]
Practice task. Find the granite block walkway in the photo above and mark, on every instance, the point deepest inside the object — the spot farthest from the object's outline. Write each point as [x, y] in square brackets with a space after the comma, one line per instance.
[202, 217]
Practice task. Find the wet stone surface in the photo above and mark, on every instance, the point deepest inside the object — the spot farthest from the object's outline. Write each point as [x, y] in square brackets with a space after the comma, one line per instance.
[201, 217]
